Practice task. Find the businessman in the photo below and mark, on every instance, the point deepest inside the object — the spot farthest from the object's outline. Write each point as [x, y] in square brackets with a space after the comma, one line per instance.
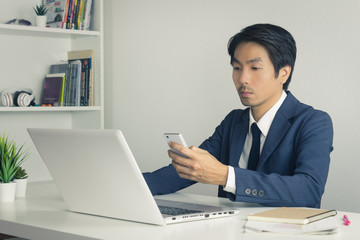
[276, 152]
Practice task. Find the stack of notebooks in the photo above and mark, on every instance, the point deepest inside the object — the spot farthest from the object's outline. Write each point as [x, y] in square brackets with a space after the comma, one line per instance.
[290, 220]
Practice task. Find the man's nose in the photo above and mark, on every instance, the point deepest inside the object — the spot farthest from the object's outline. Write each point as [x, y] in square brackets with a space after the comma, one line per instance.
[243, 77]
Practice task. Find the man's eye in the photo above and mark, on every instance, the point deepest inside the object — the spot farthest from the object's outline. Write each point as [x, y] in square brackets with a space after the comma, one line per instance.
[255, 68]
[236, 68]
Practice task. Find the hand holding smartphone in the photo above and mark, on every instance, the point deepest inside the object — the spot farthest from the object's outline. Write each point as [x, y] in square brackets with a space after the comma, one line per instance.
[175, 137]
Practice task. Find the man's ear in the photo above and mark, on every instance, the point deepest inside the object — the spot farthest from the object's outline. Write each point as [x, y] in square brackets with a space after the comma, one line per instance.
[284, 74]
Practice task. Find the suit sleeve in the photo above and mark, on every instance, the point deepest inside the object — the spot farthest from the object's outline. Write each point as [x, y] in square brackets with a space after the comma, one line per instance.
[165, 180]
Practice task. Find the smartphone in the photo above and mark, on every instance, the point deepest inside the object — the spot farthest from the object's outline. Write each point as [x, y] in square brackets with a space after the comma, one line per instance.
[175, 137]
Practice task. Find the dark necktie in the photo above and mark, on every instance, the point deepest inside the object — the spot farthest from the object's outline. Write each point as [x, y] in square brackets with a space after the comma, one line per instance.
[255, 147]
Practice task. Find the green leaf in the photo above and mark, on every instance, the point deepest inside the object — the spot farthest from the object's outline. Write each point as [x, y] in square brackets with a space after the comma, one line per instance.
[11, 158]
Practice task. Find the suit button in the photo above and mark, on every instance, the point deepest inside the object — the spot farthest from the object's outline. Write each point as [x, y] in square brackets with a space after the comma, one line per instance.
[248, 191]
[261, 193]
[254, 192]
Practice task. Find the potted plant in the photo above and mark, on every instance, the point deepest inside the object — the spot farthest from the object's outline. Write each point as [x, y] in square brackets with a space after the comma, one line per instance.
[40, 15]
[11, 158]
[20, 179]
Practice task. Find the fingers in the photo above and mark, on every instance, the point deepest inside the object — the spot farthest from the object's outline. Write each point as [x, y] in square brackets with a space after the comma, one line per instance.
[196, 149]
[189, 152]
[183, 171]
[199, 165]
[183, 161]
[185, 168]
[188, 167]
[178, 147]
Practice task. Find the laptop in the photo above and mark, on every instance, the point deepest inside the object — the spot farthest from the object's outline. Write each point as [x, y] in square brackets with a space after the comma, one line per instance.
[97, 174]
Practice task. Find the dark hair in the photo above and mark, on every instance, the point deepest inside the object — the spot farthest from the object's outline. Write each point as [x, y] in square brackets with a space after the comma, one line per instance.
[279, 44]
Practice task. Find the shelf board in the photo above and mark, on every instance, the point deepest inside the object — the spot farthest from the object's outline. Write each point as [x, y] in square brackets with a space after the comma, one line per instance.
[45, 32]
[49, 109]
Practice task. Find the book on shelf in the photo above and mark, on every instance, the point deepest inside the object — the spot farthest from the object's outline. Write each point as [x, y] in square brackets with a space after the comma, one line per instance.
[63, 67]
[57, 13]
[292, 215]
[85, 25]
[75, 76]
[53, 89]
[87, 76]
[71, 5]
[75, 14]
[78, 14]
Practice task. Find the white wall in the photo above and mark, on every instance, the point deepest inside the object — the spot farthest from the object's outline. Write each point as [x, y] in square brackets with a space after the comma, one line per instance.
[167, 69]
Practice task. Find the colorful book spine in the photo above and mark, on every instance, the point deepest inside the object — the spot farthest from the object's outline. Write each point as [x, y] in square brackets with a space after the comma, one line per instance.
[53, 89]
[70, 14]
[75, 15]
[81, 14]
[63, 24]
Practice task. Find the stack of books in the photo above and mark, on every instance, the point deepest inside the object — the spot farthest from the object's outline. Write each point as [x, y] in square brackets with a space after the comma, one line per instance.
[69, 14]
[71, 83]
[288, 220]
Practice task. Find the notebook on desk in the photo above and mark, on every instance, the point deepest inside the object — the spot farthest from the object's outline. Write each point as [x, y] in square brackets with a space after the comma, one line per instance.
[97, 174]
[294, 215]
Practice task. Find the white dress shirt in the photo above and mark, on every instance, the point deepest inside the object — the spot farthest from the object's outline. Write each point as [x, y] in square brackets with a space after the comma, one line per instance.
[264, 125]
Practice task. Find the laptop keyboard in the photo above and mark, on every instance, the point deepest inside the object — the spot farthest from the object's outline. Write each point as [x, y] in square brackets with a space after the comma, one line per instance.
[173, 211]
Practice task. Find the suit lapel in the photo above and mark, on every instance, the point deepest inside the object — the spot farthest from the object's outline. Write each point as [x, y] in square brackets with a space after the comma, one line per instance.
[238, 136]
[279, 127]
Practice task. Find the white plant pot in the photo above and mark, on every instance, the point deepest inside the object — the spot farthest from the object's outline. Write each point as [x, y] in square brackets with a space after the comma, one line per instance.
[40, 21]
[7, 192]
[21, 185]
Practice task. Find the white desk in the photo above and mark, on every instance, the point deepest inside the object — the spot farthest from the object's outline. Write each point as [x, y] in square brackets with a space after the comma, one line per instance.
[43, 215]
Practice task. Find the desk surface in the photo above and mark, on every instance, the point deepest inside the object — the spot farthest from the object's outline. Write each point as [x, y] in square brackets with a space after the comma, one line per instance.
[43, 215]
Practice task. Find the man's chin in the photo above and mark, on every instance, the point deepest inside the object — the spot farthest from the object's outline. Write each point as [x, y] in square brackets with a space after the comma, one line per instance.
[245, 102]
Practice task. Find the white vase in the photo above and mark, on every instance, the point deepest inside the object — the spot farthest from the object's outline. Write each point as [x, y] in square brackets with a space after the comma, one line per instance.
[7, 192]
[21, 185]
[40, 21]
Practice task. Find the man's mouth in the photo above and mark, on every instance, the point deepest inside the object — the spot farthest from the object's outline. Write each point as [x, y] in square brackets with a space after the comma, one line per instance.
[244, 93]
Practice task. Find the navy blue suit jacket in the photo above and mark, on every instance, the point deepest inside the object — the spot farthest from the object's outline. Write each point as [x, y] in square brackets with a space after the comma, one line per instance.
[293, 166]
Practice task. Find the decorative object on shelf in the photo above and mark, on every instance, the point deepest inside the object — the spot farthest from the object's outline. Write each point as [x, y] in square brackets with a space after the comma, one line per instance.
[11, 158]
[21, 178]
[18, 21]
[40, 15]
[22, 97]
[57, 13]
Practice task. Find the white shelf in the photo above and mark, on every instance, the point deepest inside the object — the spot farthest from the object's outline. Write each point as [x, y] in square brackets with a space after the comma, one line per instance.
[43, 32]
[48, 109]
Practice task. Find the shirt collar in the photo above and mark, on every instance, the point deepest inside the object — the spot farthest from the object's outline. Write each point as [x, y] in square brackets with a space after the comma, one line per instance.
[265, 121]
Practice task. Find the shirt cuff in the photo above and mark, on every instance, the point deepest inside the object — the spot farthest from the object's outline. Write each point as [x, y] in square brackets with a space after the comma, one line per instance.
[230, 183]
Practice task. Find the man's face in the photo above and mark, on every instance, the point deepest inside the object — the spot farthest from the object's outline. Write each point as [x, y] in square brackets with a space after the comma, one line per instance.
[254, 77]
